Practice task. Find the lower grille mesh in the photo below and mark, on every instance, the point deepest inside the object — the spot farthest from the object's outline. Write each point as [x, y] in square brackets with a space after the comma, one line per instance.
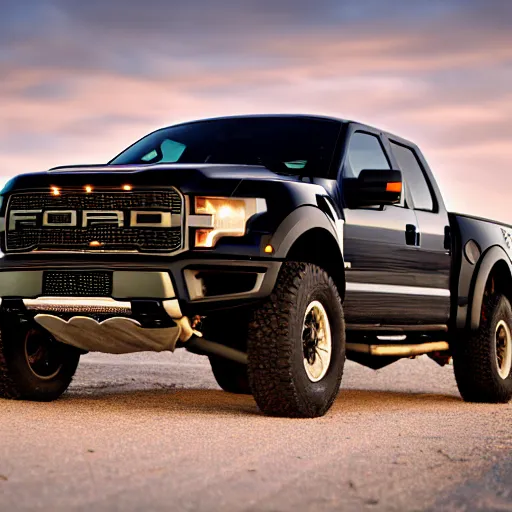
[77, 284]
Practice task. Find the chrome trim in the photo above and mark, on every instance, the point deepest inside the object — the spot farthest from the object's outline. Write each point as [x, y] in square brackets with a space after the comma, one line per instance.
[71, 223]
[142, 284]
[200, 221]
[172, 308]
[397, 289]
[78, 304]
[12, 216]
[168, 219]
[102, 217]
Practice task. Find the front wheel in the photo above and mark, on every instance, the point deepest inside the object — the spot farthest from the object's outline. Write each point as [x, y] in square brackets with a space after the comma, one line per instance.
[483, 361]
[296, 344]
[33, 365]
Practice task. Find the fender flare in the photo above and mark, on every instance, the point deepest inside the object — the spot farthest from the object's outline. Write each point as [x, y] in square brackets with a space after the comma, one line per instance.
[492, 256]
[301, 221]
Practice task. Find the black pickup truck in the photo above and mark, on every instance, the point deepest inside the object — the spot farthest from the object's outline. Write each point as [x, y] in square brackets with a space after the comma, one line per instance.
[276, 245]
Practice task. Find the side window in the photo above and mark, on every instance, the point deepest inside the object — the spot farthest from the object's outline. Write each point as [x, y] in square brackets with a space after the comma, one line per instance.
[414, 177]
[365, 152]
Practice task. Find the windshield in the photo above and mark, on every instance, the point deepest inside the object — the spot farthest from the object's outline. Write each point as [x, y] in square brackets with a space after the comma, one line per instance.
[290, 145]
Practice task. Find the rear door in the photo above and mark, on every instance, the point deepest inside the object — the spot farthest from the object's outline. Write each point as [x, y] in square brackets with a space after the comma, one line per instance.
[433, 250]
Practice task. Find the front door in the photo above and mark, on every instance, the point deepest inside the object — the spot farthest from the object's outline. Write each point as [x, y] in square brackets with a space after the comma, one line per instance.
[380, 250]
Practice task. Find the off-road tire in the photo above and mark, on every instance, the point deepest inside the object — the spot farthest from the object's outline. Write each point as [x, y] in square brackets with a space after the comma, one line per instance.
[277, 375]
[474, 358]
[230, 329]
[17, 379]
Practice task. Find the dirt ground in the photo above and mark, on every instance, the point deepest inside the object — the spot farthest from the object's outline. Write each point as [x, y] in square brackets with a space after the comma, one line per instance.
[154, 432]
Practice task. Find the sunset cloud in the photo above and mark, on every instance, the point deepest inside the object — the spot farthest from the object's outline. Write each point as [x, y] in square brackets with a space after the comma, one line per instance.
[81, 80]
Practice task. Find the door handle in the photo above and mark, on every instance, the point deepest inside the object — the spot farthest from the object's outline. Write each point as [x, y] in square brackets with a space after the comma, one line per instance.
[412, 235]
[447, 238]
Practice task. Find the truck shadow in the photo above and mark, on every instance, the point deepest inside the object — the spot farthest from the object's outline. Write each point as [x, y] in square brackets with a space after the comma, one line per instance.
[217, 402]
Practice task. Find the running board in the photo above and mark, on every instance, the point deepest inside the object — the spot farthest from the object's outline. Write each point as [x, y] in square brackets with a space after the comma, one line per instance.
[399, 350]
[397, 328]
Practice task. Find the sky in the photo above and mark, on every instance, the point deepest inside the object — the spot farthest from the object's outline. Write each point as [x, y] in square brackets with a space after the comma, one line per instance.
[82, 79]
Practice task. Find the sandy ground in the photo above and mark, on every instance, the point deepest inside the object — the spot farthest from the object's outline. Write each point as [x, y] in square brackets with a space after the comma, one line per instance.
[154, 432]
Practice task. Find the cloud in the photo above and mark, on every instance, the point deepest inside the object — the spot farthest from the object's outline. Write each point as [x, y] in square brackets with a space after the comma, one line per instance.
[80, 80]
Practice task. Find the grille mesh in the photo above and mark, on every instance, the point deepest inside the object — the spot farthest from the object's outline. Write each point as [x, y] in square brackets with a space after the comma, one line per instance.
[169, 200]
[111, 237]
[77, 284]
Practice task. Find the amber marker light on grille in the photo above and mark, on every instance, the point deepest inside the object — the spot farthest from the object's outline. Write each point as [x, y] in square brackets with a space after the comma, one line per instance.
[88, 189]
[95, 243]
[127, 188]
[269, 249]
[55, 191]
[395, 186]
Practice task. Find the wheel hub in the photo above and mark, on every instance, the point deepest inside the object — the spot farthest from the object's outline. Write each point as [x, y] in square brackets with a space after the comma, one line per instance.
[316, 341]
[503, 349]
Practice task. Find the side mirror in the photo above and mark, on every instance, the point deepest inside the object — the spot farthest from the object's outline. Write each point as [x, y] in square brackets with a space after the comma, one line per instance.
[373, 188]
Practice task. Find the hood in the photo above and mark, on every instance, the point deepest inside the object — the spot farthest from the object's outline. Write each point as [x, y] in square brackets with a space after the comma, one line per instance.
[186, 177]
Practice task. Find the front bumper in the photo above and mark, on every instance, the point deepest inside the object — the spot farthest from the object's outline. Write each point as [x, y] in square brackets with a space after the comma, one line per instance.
[195, 286]
[147, 309]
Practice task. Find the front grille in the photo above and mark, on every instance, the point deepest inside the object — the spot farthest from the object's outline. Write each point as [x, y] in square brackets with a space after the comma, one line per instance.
[169, 199]
[62, 227]
[77, 284]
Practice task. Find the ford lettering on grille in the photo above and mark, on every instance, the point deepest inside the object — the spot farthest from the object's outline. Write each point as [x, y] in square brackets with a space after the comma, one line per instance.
[139, 221]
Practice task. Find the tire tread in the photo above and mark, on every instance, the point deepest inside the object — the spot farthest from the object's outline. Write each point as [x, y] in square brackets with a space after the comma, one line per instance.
[474, 359]
[271, 346]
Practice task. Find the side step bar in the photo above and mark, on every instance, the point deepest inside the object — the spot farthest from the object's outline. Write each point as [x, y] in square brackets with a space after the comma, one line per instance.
[399, 350]
[205, 347]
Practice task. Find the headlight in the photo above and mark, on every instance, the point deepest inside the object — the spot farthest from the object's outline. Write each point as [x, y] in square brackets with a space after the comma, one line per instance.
[228, 217]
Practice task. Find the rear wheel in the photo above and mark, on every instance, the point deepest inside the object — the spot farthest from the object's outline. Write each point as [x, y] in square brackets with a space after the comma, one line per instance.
[483, 362]
[230, 376]
[296, 344]
[33, 365]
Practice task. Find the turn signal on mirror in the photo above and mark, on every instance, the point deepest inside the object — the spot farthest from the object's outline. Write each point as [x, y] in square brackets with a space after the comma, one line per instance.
[395, 186]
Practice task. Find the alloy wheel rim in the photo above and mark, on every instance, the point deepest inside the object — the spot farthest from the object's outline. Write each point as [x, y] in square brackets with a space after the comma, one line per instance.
[42, 355]
[316, 341]
[503, 349]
